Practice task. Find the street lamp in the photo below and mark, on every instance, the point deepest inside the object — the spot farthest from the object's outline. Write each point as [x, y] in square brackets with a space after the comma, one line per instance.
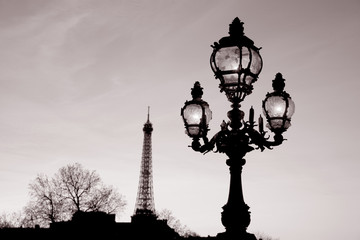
[196, 114]
[236, 62]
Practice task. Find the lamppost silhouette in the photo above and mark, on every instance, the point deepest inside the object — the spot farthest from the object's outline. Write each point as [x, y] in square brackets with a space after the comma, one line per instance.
[237, 63]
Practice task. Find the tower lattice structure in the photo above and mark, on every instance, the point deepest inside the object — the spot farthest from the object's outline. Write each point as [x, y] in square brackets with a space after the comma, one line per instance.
[145, 205]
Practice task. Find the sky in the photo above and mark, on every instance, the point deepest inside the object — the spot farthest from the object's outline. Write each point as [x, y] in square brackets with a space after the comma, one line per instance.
[77, 77]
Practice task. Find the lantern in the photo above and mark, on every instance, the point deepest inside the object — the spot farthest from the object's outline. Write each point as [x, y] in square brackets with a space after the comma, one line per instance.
[196, 114]
[236, 62]
[278, 107]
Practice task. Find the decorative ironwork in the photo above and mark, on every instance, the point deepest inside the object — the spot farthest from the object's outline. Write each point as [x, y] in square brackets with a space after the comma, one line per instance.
[237, 137]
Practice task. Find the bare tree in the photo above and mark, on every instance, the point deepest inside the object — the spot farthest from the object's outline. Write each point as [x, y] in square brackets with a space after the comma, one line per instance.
[174, 223]
[105, 199]
[48, 202]
[77, 185]
[72, 189]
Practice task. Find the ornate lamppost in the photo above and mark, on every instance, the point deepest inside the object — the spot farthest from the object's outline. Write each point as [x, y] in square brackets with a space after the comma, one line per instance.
[237, 63]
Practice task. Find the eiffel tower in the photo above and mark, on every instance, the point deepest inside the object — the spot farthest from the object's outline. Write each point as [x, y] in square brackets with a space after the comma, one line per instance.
[145, 206]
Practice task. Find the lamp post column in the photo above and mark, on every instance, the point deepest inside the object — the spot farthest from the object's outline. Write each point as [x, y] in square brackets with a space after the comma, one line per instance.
[235, 216]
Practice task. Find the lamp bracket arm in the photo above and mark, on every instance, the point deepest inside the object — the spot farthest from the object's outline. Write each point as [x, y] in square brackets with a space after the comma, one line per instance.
[262, 142]
[257, 138]
[208, 146]
[278, 140]
[203, 148]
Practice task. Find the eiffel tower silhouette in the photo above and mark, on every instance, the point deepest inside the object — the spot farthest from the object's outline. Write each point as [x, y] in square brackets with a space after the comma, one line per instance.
[145, 206]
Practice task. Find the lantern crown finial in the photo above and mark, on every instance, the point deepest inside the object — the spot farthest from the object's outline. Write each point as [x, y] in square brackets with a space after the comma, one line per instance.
[236, 28]
[197, 90]
[278, 83]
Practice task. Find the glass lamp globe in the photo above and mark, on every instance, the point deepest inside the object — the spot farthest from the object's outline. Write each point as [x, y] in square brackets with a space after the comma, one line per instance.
[196, 114]
[278, 107]
[236, 62]
[278, 111]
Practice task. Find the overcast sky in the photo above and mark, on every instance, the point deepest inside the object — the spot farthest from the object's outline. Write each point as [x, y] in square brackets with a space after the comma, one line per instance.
[76, 78]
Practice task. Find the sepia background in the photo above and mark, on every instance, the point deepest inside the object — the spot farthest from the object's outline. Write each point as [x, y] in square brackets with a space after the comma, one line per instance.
[77, 77]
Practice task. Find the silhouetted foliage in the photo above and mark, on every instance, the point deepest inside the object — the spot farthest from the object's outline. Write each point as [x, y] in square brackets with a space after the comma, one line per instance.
[72, 189]
[262, 236]
[174, 223]
[12, 220]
